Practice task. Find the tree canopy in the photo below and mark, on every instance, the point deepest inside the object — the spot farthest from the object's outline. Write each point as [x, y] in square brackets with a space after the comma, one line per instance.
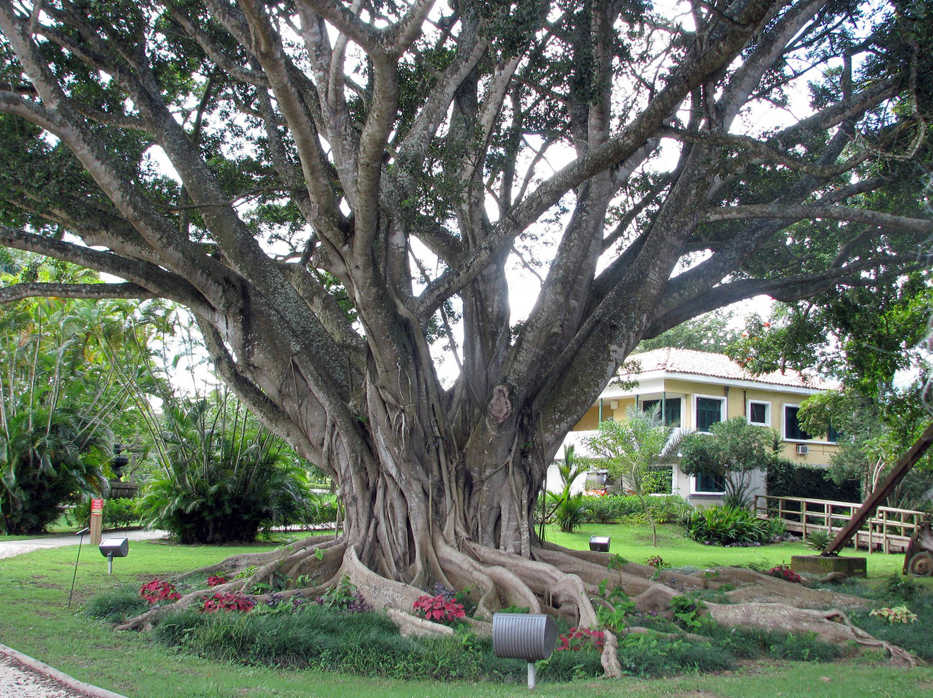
[339, 190]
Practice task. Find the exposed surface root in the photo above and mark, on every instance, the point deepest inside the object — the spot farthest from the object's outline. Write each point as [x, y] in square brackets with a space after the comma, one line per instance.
[831, 626]
[555, 580]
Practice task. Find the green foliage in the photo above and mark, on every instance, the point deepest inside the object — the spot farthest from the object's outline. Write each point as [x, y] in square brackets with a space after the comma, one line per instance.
[568, 509]
[118, 513]
[712, 332]
[913, 636]
[819, 540]
[646, 654]
[66, 366]
[788, 479]
[117, 605]
[612, 508]
[632, 449]
[730, 451]
[613, 606]
[724, 525]
[223, 476]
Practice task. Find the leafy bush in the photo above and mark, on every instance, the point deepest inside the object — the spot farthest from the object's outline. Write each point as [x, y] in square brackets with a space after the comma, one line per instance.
[787, 479]
[614, 508]
[46, 458]
[223, 475]
[322, 509]
[912, 636]
[117, 605]
[786, 573]
[646, 654]
[728, 525]
[118, 513]
[570, 513]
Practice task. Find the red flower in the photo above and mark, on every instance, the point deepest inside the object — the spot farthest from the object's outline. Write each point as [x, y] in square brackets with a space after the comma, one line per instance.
[438, 609]
[158, 590]
[229, 601]
[785, 573]
[215, 581]
[577, 639]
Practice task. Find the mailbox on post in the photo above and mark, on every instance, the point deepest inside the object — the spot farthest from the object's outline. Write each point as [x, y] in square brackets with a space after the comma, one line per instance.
[528, 636]
[114, 547]
[599, 543]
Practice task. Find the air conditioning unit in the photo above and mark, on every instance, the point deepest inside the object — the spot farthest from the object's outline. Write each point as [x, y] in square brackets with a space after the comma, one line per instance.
[802, 449]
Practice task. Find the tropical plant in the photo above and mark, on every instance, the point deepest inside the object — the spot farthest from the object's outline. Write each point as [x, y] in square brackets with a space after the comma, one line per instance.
[633, 450]
[60, 393]
[569, 509]
[222, 475]
[730, 452]
[724, 525]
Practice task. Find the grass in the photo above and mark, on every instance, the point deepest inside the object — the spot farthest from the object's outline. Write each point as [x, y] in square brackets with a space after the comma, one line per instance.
[35, 620]
[633, 542]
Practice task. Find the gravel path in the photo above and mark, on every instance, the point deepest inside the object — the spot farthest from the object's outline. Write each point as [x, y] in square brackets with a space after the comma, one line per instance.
[22, 676]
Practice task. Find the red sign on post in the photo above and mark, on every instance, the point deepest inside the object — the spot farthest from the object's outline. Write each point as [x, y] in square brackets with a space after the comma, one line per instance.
[97, 520]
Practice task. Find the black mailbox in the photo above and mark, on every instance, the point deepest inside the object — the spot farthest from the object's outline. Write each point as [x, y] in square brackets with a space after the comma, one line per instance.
[599, 543]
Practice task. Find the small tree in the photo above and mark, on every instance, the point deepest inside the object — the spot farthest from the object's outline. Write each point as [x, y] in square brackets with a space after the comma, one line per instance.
[730, 452]
[633, 449]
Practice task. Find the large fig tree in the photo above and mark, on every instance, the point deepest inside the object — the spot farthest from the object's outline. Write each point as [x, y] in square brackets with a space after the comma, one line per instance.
[339, 190]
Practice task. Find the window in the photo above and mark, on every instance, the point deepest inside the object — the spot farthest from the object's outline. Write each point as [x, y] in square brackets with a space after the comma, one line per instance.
[707, 483]
[792, 429]
[671, 410]
[709, 410]
[759, 413]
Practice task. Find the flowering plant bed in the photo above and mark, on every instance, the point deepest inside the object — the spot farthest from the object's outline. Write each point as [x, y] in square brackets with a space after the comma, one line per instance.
[229, 601]
[158, 590]
[577, 639]
[786, 573]
[438, 608]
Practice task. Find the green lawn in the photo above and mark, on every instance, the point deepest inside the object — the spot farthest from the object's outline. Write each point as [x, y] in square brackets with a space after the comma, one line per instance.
[35, 620]
[633, 542]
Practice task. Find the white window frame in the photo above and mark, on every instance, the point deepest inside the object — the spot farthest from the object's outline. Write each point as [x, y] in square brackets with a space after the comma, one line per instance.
[694, 491]
[767, 404]
[784, 428]
[696, 414]
[643, 399]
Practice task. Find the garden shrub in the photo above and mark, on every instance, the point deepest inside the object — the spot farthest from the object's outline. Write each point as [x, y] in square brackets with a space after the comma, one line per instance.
[728, 526]
[646, 654]
[787, 479]
[223, 476]
[117, 605]
[913, 637]
[614, 508]
[120, 512]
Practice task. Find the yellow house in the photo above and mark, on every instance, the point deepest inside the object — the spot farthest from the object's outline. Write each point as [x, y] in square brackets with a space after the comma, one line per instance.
[694, 390]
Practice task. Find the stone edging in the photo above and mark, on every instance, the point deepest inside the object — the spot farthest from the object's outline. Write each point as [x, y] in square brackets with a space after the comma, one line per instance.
[60, 677]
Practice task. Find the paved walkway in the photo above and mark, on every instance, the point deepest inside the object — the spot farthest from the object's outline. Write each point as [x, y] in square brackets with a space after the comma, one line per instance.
[18, 547]
[25, 677]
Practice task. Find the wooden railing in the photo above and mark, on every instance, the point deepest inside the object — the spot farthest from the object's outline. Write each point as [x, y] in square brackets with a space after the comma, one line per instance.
[888, 530]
